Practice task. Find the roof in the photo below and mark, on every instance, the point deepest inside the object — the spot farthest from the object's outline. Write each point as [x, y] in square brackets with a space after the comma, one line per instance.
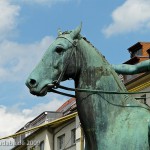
[70, 101]
[52, 124]
[137, 46]
[62, 108]
[37, 118]
[136, 59]
[67, 120]
[133, 60]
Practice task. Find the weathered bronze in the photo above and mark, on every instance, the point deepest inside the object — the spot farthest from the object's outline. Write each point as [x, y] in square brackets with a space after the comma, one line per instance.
[143, 66]
[109, 121]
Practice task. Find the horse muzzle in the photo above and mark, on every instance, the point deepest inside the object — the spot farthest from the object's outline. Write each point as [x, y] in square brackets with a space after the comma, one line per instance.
[43, 91]
[38, 89]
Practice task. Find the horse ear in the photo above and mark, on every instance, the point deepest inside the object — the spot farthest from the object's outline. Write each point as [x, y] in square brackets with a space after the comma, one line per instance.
[59, 32]
[76, 32]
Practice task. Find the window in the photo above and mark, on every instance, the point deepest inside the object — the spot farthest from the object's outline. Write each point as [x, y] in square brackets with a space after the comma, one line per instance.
[73, 136]
[42, 145]
[136, 53]
[61, 142]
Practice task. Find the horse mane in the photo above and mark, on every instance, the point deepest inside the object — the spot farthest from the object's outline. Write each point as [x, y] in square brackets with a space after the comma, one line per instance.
[84, 38]
[92, 46]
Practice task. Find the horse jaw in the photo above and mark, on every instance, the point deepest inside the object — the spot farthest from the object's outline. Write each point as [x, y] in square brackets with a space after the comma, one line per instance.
[40, 91]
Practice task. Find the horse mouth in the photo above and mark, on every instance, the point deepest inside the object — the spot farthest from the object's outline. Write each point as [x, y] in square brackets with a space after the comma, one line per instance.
[41, 93]
[44, 90]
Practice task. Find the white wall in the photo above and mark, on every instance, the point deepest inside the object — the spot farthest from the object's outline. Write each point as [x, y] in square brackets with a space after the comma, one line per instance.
[45, 136]
[66, 129]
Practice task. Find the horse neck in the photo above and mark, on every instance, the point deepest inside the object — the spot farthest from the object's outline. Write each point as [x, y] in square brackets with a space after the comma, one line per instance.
[96, 73]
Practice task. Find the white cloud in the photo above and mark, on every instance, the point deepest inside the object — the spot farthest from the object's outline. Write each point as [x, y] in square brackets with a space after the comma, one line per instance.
[8, 18]
[17, 60]
[41, 107]
[132, 15]
[12, 120]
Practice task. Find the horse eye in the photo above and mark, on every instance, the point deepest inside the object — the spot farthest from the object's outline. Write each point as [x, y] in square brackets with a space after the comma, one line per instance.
[59, 49]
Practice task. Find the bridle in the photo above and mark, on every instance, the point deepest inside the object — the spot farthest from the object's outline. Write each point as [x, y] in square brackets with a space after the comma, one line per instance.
[73, 48]
[56, 84]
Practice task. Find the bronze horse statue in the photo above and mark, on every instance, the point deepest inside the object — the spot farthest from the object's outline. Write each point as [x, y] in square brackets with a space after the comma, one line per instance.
[110, 121]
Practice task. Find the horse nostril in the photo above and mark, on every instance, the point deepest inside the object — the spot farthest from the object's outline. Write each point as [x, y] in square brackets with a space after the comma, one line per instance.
[32, 83]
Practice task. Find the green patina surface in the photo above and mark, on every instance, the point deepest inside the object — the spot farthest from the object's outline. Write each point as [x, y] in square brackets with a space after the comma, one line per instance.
[107, 123]
[143, 66]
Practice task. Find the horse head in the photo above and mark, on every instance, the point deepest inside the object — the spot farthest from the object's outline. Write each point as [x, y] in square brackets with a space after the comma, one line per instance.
[56, 65]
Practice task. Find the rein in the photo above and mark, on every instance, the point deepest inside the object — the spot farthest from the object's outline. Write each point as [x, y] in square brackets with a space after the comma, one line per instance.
[90, 91]
[56, 84]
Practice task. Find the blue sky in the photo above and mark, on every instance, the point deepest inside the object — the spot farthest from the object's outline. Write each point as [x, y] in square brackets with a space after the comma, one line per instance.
[27, 27]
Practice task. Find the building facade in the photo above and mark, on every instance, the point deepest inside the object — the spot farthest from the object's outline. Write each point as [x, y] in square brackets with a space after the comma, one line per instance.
[138, 82]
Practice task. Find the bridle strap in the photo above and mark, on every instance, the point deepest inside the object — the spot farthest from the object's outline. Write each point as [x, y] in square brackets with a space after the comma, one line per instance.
[74, 46]
[73, 42]
[57, 82]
